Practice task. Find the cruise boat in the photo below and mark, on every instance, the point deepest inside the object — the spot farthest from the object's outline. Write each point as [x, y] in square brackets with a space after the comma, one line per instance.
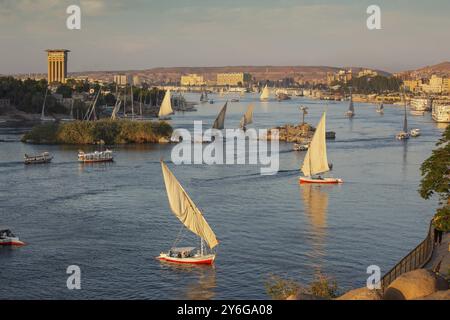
[419, 104]
[316, 160]
[96, 156]
[38, 159]
[192, 218]
[7, 238]
[441, 112]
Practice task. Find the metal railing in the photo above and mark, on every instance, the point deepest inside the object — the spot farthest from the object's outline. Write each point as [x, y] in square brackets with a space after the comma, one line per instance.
[416, 259]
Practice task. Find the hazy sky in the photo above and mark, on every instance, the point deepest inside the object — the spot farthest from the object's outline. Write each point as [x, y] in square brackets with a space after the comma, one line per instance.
[140, 34]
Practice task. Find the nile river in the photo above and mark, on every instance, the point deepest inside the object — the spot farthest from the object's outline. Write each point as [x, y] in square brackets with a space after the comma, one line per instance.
[112, 220]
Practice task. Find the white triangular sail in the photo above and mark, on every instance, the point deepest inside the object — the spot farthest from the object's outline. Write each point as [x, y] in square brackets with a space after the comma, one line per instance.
[185, 209]
[316, 160]
[166, 106]
[248, 117]
[219, 123]
[265, 93]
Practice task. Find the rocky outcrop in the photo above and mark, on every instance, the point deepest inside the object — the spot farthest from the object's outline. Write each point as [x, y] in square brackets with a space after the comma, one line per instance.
[361, 294]
[293, 133]
[412, 285]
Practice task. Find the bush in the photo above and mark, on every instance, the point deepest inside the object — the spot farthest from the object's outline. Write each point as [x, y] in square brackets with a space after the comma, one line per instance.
[43, 133]
[322, 286]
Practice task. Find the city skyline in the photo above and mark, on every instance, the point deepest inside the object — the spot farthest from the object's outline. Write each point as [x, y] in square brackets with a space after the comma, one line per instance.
[139, 35]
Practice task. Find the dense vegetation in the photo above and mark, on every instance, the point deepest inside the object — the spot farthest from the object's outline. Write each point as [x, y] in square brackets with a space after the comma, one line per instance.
[28, 95]
[436, 180]
[368, 85]
[91, 132]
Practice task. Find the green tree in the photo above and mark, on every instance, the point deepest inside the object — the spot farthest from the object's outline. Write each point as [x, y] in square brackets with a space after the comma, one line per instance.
[436, 180]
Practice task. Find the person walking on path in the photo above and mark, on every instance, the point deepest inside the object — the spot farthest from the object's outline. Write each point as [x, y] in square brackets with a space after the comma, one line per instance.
[438, 229]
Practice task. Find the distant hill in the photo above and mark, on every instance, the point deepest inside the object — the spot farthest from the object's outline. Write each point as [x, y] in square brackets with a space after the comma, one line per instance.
[442, 69]
[305, 73]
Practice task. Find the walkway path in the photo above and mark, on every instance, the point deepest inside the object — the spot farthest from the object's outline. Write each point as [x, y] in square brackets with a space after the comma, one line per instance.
[441, 255]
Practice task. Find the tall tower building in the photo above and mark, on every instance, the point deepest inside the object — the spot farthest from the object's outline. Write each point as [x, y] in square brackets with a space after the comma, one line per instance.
[57, 65]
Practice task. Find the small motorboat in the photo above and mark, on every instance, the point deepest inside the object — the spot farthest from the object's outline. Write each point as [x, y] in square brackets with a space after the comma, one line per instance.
[211, 101]
[330, 135]
[234, 100]
[415, 133]
[7, 238]
[96, 156]
[402, 135]
[186, 255]
[38, 159]
[300, 147]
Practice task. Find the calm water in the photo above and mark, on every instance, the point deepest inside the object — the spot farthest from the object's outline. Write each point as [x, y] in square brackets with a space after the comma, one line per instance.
[112, 220]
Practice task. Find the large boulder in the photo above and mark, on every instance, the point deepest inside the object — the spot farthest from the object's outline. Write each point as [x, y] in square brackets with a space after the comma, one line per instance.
[411, 285]
[361, 294]
[438, 295]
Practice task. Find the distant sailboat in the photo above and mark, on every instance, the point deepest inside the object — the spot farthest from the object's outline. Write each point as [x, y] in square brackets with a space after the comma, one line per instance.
[265, 95]
[351, 108]
[403, 135]
[166, 107]
[316, 161]
[43, 117]
[192, 218]
[381, 108]
[219, 123]
[247, 118]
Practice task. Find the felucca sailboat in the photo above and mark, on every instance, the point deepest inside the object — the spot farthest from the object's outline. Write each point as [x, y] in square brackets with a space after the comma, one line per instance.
[166, 107]
[404, 134]
[247, 118]
[316, 161]
[192, 218]
[265, 95]
[219, 123]
[351, 108]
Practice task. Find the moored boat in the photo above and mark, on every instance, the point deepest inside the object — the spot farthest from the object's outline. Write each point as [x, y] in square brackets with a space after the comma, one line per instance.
[96, 156]
[300, 147]
[44, 157]
[192, 218]
[7, 238]
[351, 108]
[316, 160]
[415, 133]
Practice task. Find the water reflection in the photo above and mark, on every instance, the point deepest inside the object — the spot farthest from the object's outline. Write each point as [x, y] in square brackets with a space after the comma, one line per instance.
[199, 280]
[315, 200]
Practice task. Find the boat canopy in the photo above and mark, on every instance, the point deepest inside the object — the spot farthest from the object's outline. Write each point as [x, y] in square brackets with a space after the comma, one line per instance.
[185, 209]
[182, 250]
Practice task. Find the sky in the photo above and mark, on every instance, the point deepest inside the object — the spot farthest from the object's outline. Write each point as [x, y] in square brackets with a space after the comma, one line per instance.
[142, 34]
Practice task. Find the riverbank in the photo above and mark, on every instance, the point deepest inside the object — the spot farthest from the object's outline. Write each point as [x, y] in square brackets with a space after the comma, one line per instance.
[91, 132]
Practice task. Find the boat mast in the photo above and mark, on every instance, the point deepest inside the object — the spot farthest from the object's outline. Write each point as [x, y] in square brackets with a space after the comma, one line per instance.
[43, 105]
[132, 104]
